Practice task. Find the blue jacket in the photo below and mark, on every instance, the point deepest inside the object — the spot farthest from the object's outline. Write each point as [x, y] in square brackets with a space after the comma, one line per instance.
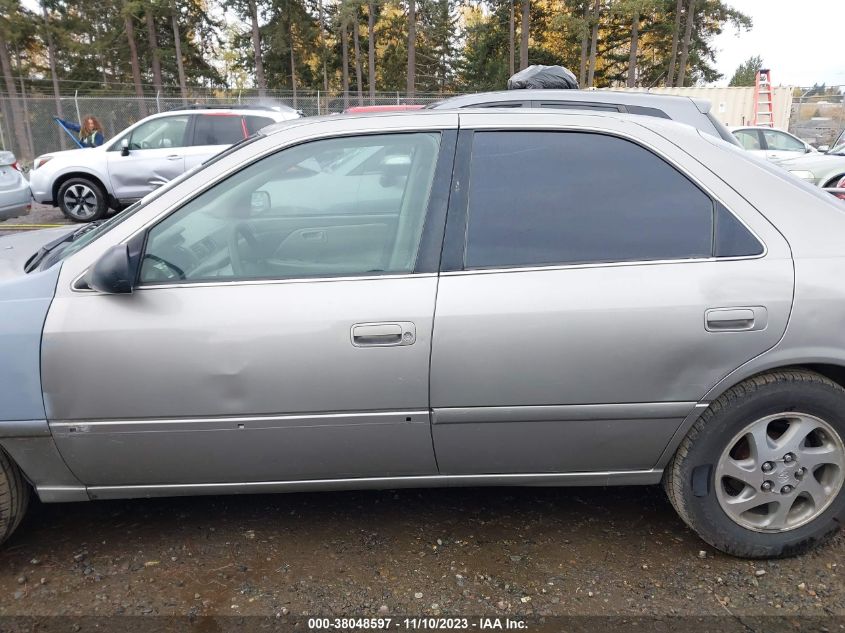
[93, 140]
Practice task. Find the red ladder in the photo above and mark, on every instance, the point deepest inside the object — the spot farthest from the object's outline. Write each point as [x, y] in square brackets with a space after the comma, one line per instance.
[763, 100]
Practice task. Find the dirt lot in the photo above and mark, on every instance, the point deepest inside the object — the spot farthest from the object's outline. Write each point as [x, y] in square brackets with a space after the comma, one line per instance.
[483, 552]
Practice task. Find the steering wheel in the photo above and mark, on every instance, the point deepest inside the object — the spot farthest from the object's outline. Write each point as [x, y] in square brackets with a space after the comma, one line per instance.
[241, 229]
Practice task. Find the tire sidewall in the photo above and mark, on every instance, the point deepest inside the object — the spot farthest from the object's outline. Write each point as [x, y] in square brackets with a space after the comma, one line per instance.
[102, 206]
[815, 398]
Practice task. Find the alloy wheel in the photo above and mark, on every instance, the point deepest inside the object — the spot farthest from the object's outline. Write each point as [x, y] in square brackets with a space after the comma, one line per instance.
[80, 201]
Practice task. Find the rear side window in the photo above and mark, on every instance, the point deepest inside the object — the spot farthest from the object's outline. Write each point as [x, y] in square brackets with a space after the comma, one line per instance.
[255, 123]
[541, 198]
[750, 139]
[218, 129]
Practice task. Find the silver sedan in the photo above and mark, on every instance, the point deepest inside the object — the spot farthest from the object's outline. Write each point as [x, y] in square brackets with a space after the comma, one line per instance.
[443, 298]
[15, 198]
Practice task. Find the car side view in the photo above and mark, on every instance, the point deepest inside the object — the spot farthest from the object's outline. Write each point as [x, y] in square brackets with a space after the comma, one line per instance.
[443, 298]
[86, 183]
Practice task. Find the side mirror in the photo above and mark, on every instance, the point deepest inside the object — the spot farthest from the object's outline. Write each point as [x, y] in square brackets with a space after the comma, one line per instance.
[824, 148]
[259, 202]
[112, 273]
[124, 145]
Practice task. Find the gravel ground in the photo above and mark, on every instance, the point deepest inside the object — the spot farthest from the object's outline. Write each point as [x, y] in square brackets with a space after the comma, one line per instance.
[533, 551]
[40, 214]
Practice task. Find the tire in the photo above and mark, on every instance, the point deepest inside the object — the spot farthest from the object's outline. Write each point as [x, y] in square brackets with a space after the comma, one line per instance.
[82, 200]
[699, 484]
[14, 496]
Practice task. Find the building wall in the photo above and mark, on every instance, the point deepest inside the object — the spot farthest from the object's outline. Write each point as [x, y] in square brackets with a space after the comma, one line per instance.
[734, 106]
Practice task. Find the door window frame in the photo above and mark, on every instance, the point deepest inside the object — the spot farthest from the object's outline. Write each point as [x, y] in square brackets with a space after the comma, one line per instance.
[453, 258]
[115, 144]
[431, 239]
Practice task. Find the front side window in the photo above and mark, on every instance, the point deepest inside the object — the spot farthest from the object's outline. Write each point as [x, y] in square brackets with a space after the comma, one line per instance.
[783, 142]
[162, 133]
[334, 207]
[541, 198]
[749, 139]
[219, 129]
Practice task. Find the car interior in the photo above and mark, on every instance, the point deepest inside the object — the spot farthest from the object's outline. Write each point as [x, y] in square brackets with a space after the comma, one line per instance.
[331, 207]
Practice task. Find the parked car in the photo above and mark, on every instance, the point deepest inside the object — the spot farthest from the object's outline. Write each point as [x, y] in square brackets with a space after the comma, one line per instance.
[479, 309]
[15, 198]
[694, 112]
[85, 183]
[770, 143]
[821, 169]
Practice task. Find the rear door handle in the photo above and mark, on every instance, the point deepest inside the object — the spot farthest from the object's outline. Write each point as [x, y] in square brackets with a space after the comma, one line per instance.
[173, 157]
[744, 319]
[386, 334]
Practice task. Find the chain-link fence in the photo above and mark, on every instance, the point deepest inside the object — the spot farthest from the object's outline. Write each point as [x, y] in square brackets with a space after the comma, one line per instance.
[818, 118]
[40, 134]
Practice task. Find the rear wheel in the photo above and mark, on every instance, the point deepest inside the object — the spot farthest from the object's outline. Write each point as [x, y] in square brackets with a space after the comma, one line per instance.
[761, 472]
[14, 496]
[82, 200]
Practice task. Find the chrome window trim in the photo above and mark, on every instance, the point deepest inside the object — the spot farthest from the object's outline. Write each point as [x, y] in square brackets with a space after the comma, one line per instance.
[649, 147]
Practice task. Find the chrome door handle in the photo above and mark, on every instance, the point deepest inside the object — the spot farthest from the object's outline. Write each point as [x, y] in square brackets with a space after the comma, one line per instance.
[735, 319]
[387, 334]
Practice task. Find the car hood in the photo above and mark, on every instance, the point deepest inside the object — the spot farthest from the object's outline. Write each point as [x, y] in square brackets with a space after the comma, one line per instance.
[74, 155]
[17, 248]
[811, 162]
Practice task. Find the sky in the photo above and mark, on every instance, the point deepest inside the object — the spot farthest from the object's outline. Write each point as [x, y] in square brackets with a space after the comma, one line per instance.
[801, 42]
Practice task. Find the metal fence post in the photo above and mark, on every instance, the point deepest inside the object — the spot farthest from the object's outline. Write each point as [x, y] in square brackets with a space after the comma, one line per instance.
[158, 100]
[76, 103]
[318, 103]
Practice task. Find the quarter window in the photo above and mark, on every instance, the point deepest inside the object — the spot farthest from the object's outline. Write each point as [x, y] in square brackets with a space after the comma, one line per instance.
[335, 207]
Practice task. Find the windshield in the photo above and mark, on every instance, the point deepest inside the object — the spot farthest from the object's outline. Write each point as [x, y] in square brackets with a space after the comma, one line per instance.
[85, 238]
[838, 146]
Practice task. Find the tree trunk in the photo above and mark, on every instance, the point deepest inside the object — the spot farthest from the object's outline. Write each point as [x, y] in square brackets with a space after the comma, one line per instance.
[51, 55]
[180, 65]
[585, 43]
[682, 61]
[256, 50]
[344, 45]
[129, 25]
[153, 42]
[412, 48]
[673, 55]
[356, 39]
[323, 46]
[512, 41]
[371, 50]
[632, 58]
[591, 72]
[525, 30]
[27, 128]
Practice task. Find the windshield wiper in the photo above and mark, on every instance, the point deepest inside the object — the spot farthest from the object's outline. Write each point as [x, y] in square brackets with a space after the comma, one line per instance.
[49, 247]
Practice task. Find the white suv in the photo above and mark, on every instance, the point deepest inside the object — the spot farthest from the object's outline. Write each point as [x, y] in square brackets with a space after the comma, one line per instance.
[84, 183]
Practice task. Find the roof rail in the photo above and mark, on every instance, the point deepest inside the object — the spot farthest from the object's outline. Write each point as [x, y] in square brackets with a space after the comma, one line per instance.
[222, 106]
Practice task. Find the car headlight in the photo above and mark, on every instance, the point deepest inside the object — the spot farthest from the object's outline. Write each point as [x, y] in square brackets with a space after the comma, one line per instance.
[41, 161]
[803, 174]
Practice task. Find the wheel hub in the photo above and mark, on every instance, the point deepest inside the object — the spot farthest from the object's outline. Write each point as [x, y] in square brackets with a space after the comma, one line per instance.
[780, 472]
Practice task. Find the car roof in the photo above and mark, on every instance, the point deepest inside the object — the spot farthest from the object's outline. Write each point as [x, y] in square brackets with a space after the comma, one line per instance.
[588, 96]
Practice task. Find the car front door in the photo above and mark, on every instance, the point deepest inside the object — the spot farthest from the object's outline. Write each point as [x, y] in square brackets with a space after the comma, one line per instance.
[154, 156]
[780, 146]
[266, 341]
[578, 323]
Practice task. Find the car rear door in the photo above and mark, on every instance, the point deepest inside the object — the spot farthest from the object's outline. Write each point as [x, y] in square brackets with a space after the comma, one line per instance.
[578, 322]
[264, 343]
[212, 133]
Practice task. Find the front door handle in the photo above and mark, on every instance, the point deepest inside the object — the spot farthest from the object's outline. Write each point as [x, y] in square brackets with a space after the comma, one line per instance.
[386, 334]
[174, 157]
[744, 319]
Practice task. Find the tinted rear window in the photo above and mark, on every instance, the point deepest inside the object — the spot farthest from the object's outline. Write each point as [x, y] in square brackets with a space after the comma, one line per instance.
[217, 129]
[255, 123]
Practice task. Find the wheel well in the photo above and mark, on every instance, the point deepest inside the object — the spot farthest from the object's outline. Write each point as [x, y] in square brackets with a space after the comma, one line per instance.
[836, 373]
[80, 174]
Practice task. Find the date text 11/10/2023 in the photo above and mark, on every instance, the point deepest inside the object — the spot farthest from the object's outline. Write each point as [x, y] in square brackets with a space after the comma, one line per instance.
[418, 624]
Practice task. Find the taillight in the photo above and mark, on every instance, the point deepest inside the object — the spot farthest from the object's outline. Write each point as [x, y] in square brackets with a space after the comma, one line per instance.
[840, 185]
[16, 166]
